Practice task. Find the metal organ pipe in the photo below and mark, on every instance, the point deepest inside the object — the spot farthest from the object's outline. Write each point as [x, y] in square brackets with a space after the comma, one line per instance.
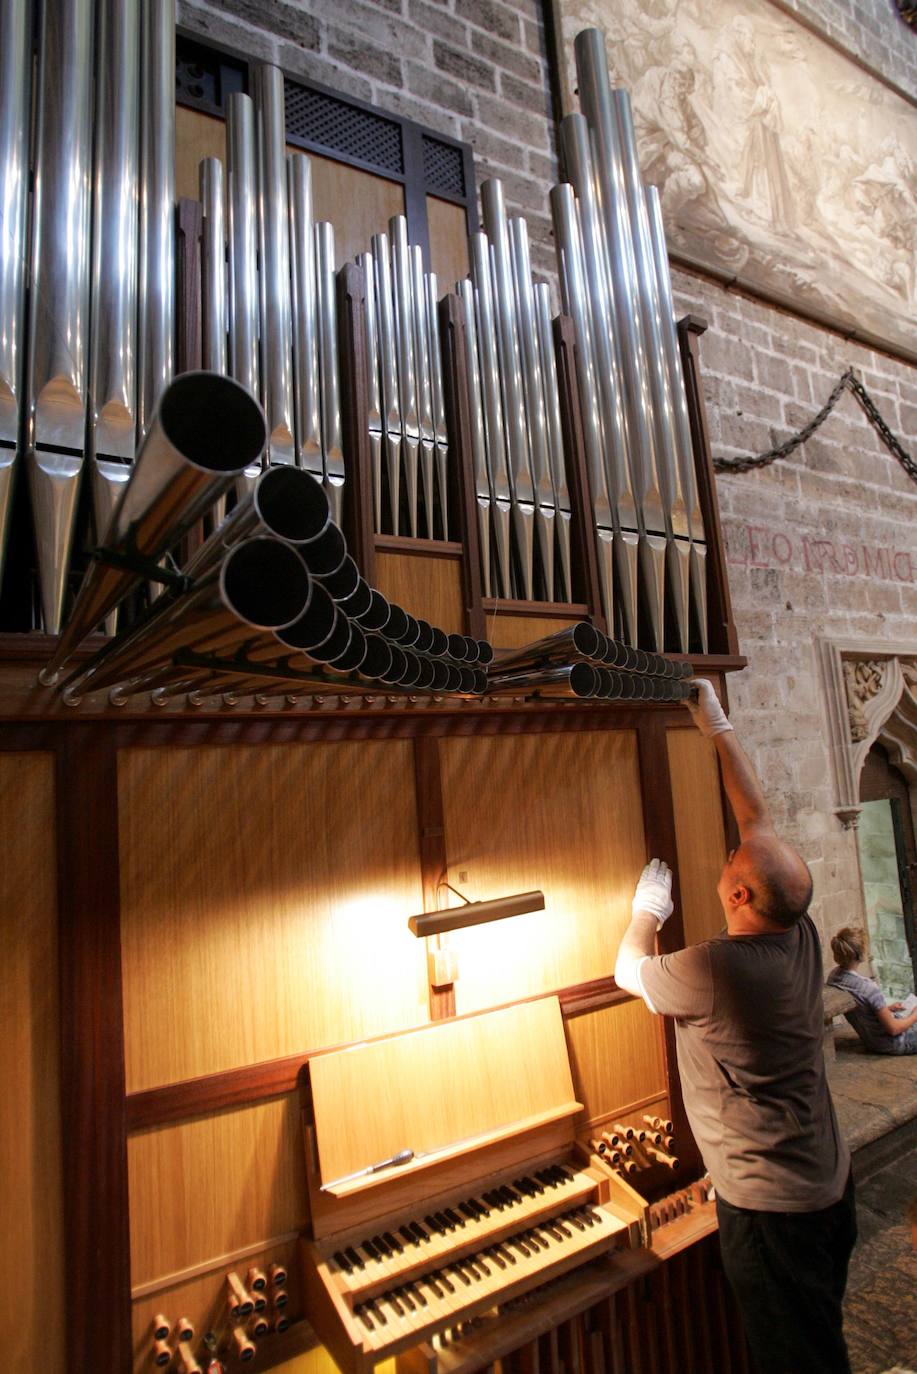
[274, 275]
[157, 207]
[15, 72]
[213, 266]
[330, 391]
[306, 375]
[59, 334]
[112, 377]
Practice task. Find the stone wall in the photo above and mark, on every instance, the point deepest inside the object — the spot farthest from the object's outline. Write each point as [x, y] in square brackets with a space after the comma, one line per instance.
[822, 542]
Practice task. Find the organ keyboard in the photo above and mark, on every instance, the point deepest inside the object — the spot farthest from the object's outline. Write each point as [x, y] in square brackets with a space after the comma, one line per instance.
[496, 1199]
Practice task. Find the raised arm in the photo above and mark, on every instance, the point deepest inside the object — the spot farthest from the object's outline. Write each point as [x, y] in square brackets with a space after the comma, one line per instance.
[739, 777]
[651, 908]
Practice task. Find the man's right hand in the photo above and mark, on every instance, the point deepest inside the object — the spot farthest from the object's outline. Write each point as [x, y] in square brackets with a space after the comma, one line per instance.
[707, 713]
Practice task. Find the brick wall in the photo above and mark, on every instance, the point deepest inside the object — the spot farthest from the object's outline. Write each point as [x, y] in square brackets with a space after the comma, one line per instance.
[822, 542]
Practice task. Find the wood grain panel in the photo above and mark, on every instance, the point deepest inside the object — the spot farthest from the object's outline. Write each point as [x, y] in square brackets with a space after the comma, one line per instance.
[32, 1252]
[448, 229]
[503, 1068]
[699, 832]
[357, 203]
[513, 631]
[430, 588]
[214, 1185]
[561, 813]
[197, 136]
[265, 897]
[617, 1058]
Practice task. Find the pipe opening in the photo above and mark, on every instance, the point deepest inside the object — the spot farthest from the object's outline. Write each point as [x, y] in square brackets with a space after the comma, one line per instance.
[315, 625]
[292, 504]
[266, 583]
[212, 421]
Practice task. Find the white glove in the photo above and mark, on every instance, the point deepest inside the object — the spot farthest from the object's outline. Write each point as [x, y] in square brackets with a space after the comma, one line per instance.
[709, 716]
[654, 892]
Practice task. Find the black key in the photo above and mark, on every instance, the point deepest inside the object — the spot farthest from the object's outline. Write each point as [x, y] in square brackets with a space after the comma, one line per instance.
[377, 1312]
[416, 1292]
[406, 1298]
[521, 1245]
[418, 1230]
[479, 1207]
[479, 1261]
[454, 1217]
[564, 1230]
[435, 1225]
[443, 1278]
[411, 1240]
[469, 1211]
[511, 1197]
[536, 1242]
[431, 1283]
[572, 1217]
[546, 1177]
[393, 1300]
[564, 1173]
[392, 1242]
[507, 1252]
[472, 1266]
[524, 1186]
[343, 1262]
[462, 1275]
[365, 1318]
[551, 1229]
[495, 1200]
[496, 1256]
[370, 1249]
[535, 1185]
[443, 1219]
[382, 1246]
[354, 1258]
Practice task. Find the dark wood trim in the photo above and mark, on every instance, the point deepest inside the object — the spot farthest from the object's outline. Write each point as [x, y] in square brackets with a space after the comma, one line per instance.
[20, 737]
[358, 488]
[462, 498]
[560, 610]
[418, 548]
[93, 1116]
[243, 1087]
[584, 558]
[659, 830]
[189, 225]
[415, 191]
[721, 626]
[431, 839]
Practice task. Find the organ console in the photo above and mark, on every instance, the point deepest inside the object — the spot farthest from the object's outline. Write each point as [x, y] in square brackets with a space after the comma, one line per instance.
[497, 1200]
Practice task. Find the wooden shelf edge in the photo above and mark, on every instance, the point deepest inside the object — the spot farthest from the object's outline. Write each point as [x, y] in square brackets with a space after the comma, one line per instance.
[572, 610]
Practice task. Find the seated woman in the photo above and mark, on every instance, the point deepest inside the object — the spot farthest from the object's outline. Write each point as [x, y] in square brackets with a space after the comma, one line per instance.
[874, 1022]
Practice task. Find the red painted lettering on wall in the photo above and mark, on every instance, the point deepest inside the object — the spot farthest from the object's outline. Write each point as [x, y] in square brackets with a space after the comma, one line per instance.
[758, 546]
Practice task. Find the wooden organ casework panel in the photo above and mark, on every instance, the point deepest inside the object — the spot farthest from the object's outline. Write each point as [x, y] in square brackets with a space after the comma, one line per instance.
[32, 1257]
[700, 832]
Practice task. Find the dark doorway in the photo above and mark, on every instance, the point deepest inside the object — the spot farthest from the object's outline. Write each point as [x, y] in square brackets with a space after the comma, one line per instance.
[888, 859]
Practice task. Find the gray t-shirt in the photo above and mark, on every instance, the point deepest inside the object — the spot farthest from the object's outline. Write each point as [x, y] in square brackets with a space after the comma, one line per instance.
[864, 1020]
[748, 1026]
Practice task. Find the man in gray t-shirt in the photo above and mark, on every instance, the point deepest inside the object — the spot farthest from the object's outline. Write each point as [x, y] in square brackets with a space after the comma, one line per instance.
[748, 1028]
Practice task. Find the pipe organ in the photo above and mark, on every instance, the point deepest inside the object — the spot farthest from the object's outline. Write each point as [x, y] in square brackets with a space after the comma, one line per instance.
[367, 595]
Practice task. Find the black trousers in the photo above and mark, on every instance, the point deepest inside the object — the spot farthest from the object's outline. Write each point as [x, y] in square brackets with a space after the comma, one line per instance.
[788, 1271]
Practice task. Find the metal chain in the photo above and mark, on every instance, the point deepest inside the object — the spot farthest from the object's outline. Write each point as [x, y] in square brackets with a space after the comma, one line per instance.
[848, 382]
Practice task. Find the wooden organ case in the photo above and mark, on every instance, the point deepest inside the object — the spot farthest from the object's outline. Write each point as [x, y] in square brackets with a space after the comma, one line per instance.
[220, 896]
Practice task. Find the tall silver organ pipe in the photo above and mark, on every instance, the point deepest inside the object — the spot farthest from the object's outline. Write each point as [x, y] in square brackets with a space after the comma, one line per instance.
[595, 99]
[407, 382]
[533, 390]
[497, 461]
[332, 450]
[423, 383]
[554, 431]
[695, 524]
[388, 372]
[243, 243]
[274, 276]
[307, 386]
[59, 335]
[440, 433]
[113, 380]
[157, 207]
[15, 72]
[520, 474]
[478, 442]
[374, 407]
[213, 266]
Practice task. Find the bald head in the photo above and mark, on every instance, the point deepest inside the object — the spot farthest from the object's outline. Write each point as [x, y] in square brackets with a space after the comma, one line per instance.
[769, 879]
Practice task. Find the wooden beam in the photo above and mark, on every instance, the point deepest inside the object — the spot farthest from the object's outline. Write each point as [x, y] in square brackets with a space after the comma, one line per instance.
[93, 1122]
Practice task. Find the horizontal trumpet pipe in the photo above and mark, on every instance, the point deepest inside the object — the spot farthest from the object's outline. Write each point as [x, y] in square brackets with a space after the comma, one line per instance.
[162, 1327]
[238, 1296]
[284, 502]
[184, 1330]
[571, 680]
[278, 1274]
[580, 641]
[161, 1354]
